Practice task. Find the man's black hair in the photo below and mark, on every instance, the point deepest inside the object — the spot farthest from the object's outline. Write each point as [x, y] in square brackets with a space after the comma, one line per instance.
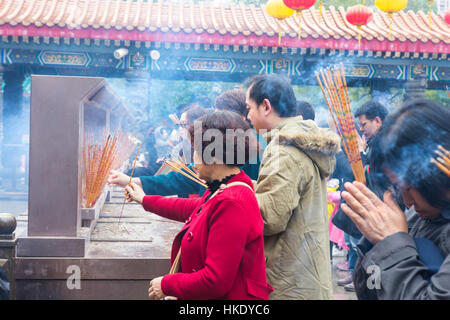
[371, 110]
[276, 89]
[306, 110]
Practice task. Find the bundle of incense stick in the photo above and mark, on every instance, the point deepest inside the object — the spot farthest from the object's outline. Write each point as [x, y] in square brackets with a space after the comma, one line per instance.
[179, 166]
[334, 88]
[98, 159]
[443, 160]
[101, 154]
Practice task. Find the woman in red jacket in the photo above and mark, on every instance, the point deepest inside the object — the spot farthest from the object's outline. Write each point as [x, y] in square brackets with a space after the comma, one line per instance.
[222, 246]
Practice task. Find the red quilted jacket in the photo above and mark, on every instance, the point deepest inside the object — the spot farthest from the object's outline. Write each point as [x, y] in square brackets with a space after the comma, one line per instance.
[222, 246]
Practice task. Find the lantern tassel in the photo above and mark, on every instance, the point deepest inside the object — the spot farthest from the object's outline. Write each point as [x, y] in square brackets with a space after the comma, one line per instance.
[279, 32]
[320, 11]
[390, 25]
[430, 5]
[429, 16]
[300, 16]
[359, 38]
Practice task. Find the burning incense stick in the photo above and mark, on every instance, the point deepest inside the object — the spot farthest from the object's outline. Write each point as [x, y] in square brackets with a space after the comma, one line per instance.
[176, 169]
[441, 167]
[334, 88]
[180, 167]
[174, 118]
[183, 166]
[131, 177]
[443, 160]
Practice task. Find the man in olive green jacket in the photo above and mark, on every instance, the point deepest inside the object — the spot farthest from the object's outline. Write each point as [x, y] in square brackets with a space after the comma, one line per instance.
[291, 191]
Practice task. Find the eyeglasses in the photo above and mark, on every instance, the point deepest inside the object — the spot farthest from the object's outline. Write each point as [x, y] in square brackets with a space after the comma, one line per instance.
[362, 125]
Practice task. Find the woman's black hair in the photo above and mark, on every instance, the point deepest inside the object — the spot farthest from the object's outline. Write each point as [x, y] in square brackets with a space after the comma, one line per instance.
[194, 111]
[236, 136]
[232, 100]
[405, 144]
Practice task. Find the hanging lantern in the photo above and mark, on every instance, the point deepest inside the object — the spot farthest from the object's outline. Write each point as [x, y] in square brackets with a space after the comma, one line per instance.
[447, 16]
[391, 6]
[299, 6]
[359, 15]
[278, 10]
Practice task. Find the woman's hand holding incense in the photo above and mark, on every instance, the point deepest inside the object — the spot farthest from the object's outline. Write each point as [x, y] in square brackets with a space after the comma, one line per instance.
[117, 178]
[375, 219]
[133, 192]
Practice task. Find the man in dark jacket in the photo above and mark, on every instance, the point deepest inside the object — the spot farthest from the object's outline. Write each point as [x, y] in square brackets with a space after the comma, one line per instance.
[370, 118]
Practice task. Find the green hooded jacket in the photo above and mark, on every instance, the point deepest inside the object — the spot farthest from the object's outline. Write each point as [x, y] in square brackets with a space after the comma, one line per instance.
[292, 196]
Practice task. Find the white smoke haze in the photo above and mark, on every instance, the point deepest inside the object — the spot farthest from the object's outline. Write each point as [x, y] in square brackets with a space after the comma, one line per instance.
[152, 98]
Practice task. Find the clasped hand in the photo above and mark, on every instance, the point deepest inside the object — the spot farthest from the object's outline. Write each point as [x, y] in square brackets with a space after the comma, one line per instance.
[375, 219]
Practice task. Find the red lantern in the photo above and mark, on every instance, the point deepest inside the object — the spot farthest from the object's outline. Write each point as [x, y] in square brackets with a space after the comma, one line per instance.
[447, 16]
[299, 6]
[359, 15]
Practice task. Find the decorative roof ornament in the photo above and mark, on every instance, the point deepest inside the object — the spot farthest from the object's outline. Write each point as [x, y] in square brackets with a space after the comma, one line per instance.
[175, 22]
[278, 10]
[359, 16]
[390, 7]
[299, 6]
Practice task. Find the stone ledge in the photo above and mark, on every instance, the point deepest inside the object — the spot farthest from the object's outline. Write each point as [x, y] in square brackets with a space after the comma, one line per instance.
[51, 247]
